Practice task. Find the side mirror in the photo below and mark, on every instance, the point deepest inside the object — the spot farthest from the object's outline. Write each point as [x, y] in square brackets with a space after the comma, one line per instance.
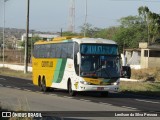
[78, 58]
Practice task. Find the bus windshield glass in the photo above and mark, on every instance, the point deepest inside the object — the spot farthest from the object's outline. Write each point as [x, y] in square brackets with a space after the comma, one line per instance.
[99, 49]
[100, 61]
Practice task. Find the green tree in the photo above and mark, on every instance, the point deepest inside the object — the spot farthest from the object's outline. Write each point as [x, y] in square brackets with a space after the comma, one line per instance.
[130, 32]
[89, 30]
[67, 33]
[152, 22]
[106, 33]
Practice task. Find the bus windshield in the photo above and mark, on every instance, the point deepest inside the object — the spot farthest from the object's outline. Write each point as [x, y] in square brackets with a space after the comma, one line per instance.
[100, 61]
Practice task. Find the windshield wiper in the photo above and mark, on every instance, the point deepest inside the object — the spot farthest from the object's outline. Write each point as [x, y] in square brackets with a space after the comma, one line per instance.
[108, 73]
[101, 68]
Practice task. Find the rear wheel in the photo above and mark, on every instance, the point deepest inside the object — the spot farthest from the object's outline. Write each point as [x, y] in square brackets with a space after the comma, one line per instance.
[71, 92]
[43, 85]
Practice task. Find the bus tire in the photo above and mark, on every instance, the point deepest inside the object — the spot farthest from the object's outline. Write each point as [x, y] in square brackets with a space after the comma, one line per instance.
[71, 92]
[43, 85]
[104, 94]
[40, 83]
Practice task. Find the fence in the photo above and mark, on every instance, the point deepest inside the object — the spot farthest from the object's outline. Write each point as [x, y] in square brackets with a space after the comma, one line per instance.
[12, 56]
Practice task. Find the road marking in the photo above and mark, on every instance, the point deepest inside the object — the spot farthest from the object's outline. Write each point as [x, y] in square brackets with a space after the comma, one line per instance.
[129, 107]
[68, 97]
[105, 103]
[17, 88]
[85, 100]
[82, 99]
[38, 92]
[53, 94]
[29, 90]
[25, 89]
[30, 84]
[2, 79]
[147, 101]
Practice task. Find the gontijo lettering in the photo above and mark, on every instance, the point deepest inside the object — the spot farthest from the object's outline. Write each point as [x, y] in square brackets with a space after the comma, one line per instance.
[47, 63]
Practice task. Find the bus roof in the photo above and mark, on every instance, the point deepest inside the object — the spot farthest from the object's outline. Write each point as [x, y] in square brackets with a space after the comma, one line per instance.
[94, 40]
[78, 39]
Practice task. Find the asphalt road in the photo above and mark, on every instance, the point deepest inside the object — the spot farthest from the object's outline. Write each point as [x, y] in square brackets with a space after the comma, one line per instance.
[16, 88]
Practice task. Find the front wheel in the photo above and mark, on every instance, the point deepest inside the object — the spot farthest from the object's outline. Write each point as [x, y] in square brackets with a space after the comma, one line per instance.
[71, 92]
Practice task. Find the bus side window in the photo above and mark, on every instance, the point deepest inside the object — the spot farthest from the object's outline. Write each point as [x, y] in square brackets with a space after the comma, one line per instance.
[64, 47]
[48, 47]
[44, 51]
[41, 51]
[52, 51]
[58, 50]
[35, 51]
[70, 50]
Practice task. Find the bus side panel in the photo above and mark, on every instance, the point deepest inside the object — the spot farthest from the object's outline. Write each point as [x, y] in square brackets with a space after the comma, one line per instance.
[43, 68]
[64, 72]
[59, 70]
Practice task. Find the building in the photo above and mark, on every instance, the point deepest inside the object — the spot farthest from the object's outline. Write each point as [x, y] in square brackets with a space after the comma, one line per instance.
[150, 55]
[42, 36]
[132, 58]
[146, 56]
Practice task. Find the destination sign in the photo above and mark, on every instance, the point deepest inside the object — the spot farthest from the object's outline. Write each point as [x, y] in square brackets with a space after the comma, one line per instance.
[99, 49]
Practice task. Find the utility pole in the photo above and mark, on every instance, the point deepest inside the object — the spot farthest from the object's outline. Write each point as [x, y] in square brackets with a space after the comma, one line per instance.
[4, 29]
[61, 32]
[26, 41]
[85, 21]
[71, 26]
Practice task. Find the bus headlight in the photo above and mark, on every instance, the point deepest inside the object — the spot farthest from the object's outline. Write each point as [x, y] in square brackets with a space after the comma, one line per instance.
[116, 83]
[84, 82]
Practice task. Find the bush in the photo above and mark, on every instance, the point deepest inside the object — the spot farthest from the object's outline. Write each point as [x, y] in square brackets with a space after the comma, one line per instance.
[150, 74]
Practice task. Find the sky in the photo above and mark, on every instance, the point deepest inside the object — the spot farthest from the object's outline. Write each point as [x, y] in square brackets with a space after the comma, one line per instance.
[52, 15]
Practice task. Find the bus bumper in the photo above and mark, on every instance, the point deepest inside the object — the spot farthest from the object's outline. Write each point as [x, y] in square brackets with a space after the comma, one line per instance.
[109, 88]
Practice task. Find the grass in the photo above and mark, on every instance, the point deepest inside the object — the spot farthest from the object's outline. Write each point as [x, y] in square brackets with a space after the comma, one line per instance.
[20, 109]
[145, 74]
[149, 83]
[14, 73]
[142, 88]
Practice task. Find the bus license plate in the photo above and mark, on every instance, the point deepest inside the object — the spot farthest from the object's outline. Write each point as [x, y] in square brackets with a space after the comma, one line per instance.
[100, 88]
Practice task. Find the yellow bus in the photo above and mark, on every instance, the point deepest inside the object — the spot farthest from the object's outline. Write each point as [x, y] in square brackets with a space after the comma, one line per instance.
[77, 64]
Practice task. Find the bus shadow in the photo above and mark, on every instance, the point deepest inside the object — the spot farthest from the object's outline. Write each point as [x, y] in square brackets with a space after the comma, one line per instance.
[125, 94]
[138, 94]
